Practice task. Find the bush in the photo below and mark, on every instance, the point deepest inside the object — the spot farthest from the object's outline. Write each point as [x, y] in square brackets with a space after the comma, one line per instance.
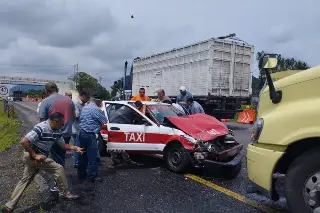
[9, 132]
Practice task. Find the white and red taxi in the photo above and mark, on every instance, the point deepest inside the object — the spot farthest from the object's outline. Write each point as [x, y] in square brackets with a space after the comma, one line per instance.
[183, 140]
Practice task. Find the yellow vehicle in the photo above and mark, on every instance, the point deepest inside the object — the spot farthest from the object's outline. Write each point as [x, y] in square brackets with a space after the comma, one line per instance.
[286, 138]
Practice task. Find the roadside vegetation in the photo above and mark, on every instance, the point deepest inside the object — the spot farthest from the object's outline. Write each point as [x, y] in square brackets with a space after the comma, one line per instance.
[9, 131]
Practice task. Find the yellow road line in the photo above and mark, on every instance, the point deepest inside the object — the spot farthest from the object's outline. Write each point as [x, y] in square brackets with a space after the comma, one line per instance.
[232, 194]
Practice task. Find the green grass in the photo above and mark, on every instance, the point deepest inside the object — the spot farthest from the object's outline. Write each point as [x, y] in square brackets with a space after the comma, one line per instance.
[9, 132]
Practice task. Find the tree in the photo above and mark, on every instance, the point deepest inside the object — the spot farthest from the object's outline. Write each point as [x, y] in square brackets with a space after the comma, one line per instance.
[117, 87]
[85, 82]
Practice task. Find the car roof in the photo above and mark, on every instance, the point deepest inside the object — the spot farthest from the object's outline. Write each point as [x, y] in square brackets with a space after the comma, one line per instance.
[143, 102]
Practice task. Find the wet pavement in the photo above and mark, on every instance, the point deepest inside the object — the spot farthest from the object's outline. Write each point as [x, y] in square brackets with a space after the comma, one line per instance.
[152, 188]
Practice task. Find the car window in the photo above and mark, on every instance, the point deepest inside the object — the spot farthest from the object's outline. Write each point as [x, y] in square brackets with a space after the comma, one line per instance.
[161, 111]
[122, 114]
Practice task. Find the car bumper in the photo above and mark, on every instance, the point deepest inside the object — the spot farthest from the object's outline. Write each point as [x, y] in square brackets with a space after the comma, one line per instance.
[260, 164]
[214, 164]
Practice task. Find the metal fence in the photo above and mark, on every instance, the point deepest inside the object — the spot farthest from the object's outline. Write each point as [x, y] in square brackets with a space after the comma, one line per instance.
[7, 107]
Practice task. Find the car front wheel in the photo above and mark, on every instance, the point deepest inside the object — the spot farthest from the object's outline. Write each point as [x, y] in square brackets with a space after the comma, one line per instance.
[177, 158]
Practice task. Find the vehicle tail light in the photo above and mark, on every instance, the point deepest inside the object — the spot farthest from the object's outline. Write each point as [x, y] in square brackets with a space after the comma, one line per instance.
[104, 129]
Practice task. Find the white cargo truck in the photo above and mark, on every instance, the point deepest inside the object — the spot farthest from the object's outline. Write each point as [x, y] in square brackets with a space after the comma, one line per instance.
[216, 71]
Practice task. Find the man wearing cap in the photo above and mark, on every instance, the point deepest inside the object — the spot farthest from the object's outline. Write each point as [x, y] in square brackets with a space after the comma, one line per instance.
[162, 96]
[184, 95]
[91, 120]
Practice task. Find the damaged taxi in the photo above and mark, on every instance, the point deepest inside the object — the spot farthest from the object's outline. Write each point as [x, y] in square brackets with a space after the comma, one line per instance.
[183, 140]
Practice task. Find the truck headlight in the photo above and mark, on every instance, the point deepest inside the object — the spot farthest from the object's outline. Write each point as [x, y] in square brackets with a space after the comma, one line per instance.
[256, 130]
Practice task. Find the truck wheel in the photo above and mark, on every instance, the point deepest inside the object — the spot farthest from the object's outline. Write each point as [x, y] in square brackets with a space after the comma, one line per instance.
[302, 187]
[177, 158]
[232, 172]
[102, 146]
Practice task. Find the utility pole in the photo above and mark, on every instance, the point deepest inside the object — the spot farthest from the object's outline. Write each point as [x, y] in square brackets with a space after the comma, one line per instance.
[124, 79]
[75, 76]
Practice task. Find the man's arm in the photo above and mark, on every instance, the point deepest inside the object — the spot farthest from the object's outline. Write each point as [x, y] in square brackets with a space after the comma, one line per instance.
[43, 111]
[30, 138]
[99, 114]
[63, 145]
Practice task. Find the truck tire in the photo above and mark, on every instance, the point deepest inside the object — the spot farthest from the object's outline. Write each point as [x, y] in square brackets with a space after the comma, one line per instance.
[302, 177]
[232, 172]
[177, 158]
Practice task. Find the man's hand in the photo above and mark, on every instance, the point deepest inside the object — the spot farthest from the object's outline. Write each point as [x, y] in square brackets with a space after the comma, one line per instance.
[78, 149]
[39, 158]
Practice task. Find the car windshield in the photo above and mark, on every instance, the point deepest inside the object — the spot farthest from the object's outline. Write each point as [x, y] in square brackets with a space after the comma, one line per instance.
[160, 111]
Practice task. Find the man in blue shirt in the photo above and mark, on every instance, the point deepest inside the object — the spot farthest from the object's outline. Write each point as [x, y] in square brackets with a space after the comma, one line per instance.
[194, 107]
[91, 120]
[184, 94]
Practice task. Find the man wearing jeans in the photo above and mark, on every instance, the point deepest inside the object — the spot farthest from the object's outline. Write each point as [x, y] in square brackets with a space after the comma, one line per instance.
[79, 104]
[91, 120]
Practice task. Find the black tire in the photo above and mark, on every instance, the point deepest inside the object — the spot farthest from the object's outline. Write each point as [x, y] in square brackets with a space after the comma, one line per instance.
[102, 146]
[177, 158]
[298, 173]
[232, 172]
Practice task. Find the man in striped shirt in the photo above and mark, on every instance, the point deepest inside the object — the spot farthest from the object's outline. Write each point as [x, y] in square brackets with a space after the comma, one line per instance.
[37, 145]
[91, 120]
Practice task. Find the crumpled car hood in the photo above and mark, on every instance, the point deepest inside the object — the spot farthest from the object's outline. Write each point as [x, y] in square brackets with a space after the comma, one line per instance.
[200, 126]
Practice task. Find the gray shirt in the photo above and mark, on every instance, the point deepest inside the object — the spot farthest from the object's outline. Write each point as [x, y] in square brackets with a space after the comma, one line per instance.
[183, 98]
[62, 104]
[78, 104]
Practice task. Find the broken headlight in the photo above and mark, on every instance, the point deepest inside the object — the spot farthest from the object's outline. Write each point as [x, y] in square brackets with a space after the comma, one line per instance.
[190, 139]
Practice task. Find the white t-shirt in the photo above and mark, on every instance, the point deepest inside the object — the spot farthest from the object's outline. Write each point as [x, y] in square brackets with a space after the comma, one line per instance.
[178, 107]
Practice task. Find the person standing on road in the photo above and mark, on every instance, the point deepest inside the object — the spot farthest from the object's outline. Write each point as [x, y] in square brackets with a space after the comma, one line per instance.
[37, 144]
[162, 96]
[79, 103]
[184, 95]
[141, 96]
[194, 106]
[56, 102]
[91, 120]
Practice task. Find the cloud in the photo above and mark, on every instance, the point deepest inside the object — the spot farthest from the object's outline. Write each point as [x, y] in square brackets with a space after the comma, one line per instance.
[100, 34]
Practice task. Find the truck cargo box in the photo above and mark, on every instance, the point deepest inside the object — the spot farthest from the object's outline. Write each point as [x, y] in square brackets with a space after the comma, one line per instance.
[220, 67]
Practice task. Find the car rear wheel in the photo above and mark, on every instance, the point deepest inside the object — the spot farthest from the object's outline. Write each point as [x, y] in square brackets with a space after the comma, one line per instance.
[302, 186]
[177, 158]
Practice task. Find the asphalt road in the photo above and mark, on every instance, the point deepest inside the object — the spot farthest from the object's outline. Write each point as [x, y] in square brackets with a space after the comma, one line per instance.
[152, 188]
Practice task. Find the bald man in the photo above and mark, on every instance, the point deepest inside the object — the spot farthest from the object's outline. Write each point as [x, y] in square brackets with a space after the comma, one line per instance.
[162, 95]
[69, 94]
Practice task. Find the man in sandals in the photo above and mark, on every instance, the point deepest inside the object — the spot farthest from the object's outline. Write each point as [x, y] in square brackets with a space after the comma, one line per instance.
[37, 145]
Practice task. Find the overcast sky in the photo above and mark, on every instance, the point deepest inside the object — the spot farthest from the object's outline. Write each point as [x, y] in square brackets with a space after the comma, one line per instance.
[101, 36]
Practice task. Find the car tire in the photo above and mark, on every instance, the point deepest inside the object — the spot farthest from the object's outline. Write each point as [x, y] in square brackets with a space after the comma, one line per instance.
[231, 172]
[102, 146]
[298, 173]
[177, 158]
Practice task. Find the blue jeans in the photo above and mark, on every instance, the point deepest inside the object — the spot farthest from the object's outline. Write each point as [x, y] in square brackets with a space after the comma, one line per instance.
[76, 154]
[89, 160]
[58, 154]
